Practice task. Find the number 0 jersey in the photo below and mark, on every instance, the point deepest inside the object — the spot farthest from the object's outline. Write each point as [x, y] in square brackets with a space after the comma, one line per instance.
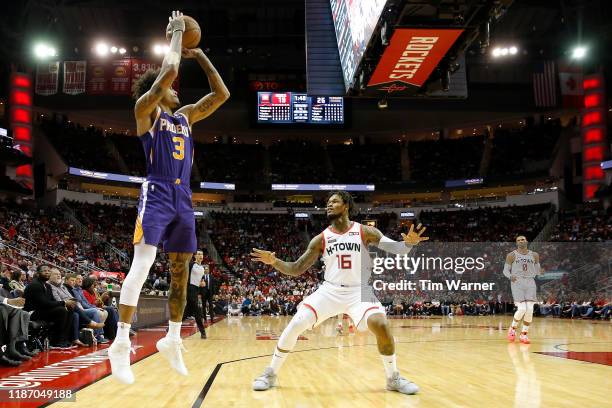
[168, 147]
[523, 265]
[343, 255]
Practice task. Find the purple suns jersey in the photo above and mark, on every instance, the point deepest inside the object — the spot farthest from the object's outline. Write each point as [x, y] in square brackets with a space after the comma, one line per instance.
[165, 209]
[168, 149]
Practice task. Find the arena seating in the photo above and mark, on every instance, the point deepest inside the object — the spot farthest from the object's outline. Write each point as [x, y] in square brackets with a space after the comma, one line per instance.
[451, 159]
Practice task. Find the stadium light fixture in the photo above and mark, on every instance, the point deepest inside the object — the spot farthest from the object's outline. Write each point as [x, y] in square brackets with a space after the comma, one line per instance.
[161, 49]
[504, 51]
[113, 49]
[43, 51]
[121, 50]
[101, 49]
[579, 52]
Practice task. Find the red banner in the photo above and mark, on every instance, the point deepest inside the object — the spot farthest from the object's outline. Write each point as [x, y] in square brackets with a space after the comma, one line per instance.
[412, 55]
[47, 78]
[120, 77]
[97, 77]
[74, 77]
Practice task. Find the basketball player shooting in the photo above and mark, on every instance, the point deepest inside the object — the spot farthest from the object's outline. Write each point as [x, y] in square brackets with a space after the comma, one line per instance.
[343, 246]
[165, 211]
[521, 267]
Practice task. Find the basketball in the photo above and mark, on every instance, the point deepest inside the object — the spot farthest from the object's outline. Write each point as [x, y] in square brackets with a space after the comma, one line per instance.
[192, 34]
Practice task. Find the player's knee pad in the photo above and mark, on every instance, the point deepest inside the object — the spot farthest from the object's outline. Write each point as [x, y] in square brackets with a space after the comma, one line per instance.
[529, 312]
[303, 320]
[144, 256]
[521, 308]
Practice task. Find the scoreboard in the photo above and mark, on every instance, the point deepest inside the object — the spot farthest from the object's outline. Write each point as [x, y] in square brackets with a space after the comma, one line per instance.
[289, 107]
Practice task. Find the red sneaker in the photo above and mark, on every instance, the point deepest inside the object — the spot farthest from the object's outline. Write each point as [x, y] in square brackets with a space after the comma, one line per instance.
[511, 334]
[524, 339]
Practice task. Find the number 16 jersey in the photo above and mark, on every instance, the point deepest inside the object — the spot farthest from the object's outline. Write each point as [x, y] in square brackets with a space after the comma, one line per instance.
[343, 255]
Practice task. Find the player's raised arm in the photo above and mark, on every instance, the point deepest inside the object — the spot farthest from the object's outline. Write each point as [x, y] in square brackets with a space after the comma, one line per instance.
[296, 268]
[372, 235]
[218, 91]
[167, 74]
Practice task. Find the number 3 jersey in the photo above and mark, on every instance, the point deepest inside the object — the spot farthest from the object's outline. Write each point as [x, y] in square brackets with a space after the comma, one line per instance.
[165, 209]
[344, 255]
[168, 147]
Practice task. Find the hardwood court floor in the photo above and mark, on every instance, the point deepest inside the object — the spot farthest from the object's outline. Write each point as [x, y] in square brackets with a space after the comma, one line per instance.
[457, 362]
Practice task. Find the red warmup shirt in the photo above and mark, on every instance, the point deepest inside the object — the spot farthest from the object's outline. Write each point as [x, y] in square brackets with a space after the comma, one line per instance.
[90, 298]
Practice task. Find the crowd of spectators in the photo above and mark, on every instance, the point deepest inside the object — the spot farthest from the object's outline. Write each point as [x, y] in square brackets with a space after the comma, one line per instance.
[590, 223]
[445, 159]
[516, 152]
[524, 151]
[34, 240]
[83, 147]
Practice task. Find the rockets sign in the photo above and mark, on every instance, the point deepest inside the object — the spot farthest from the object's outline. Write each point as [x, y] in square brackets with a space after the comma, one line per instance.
[410, 58]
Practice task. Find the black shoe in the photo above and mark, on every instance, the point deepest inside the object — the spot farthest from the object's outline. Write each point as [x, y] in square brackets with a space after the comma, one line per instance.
[15, 355]
[23, 349]
[103, 340]
[203, 335]
[4, 360]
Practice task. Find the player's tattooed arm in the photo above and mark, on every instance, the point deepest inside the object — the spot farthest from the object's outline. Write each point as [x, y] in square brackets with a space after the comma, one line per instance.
[296, 268]
[218, 91]
[168, 72]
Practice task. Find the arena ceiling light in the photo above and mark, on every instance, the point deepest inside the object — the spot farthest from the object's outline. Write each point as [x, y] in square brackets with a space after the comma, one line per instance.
[43, 51]
[579, 52]
[101, 49]
[498, 52]
[161, 49]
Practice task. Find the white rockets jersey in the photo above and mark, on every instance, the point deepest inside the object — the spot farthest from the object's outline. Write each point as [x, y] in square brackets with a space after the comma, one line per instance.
[523, 265]
[343, 255]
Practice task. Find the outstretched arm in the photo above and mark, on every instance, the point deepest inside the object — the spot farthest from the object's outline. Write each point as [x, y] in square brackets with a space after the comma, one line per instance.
[296, 268]
[373, 236]
[218, 91]
[167, 74]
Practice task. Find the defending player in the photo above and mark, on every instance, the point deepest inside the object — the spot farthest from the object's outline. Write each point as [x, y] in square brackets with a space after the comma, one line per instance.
[521, 267]
[343, 247]
[165, 211]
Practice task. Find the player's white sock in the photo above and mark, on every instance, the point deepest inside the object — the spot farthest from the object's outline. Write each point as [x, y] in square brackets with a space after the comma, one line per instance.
[525, 329]
[174, 330]
[390, 364]
[123, 331]
[278, 358]
[514, 324]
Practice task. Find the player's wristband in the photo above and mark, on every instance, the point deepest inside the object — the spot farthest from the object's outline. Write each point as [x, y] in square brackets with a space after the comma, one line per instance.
[178, 29]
